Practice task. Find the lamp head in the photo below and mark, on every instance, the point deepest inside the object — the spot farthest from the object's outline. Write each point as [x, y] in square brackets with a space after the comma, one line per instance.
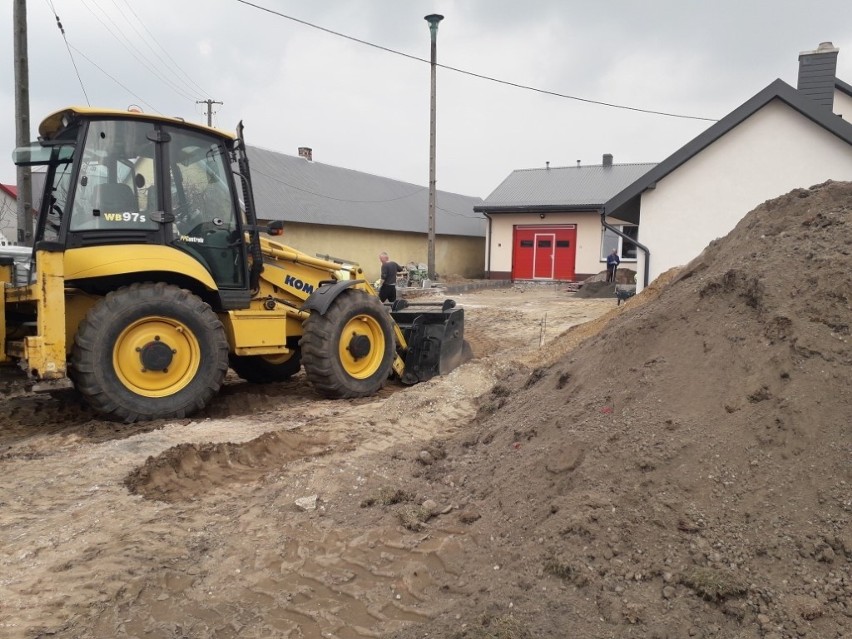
[433, 19]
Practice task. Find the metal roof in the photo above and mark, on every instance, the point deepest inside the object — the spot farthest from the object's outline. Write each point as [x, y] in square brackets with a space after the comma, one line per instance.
[624, 205]
[295, 189]
[570, 187]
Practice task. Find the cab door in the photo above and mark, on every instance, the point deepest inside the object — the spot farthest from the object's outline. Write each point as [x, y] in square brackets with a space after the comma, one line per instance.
[202, 200]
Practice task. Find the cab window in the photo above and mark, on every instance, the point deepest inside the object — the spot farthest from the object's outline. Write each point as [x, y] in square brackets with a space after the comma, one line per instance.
[115, 186]
[201, 196]
[205, 213]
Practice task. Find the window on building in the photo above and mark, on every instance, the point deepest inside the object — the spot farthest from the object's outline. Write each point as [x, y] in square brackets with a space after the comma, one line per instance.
[626, 249]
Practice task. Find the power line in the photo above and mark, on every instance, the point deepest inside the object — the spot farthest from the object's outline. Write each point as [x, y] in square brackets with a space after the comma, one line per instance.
[475, 75]
[448, 212]
[337, 199]
[125, 41]
[68, 47]
[93, 63]
[174, 64]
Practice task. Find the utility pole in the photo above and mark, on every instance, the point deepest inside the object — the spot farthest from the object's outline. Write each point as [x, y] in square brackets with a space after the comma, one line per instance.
[22, 121]
[433, 20]
[209, 104]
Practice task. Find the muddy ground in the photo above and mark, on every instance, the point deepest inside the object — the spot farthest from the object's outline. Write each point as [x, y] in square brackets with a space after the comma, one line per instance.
[191, 528]
[677, 466]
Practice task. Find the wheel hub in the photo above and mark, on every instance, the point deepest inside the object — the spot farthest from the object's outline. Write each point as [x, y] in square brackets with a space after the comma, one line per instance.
[359, 346]
[156, 356]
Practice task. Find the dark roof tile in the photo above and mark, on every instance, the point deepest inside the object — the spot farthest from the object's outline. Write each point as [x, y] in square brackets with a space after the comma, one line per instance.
[291, 188]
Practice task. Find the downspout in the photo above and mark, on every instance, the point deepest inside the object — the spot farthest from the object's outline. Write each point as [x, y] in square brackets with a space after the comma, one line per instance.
[644, 248]
[488, 247]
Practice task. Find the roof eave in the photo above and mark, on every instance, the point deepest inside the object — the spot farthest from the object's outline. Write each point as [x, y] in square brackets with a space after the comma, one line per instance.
[537, 208]
[776, 90]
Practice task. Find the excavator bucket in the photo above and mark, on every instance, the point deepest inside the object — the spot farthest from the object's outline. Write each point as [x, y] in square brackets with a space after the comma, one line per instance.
[434, 333]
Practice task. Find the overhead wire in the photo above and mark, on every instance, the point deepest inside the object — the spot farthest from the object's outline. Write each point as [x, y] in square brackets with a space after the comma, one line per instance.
[336, 199]
[68, 47]
[174, 64]
[133, 51]
[349, 201]
[94, 64]
[471, 73]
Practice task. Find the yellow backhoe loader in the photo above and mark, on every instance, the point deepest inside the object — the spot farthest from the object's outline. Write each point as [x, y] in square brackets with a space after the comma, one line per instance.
[150, 276]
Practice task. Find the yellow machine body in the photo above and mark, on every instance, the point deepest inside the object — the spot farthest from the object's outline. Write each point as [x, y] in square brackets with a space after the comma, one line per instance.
[150, 277]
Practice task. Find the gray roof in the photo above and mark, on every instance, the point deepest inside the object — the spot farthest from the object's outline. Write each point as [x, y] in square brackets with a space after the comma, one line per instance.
[564, 188]
[625, 205]
[843, 86]
[294, 189]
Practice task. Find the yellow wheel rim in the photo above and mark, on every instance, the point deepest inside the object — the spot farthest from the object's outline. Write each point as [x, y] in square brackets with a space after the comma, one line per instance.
[156, 356]
[361, 333]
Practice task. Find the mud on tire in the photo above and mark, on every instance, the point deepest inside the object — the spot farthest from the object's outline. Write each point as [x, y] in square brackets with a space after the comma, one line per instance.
[149, 351]
[349, 351]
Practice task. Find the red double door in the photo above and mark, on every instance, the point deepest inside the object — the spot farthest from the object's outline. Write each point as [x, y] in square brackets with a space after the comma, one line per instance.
[544, 252]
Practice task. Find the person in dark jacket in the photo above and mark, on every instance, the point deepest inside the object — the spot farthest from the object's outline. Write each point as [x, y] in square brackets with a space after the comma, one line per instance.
[612, 262]
[387, 287]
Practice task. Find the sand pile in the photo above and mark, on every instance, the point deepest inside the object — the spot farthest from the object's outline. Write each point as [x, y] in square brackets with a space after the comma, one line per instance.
[687, 472]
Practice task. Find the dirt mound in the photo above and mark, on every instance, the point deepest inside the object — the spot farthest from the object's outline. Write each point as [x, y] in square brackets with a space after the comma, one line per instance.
[187, 470]
[684, 472]
[596, 286]
[676, 467]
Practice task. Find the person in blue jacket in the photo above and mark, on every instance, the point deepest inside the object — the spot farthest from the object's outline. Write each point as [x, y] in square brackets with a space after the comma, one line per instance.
[612, 262]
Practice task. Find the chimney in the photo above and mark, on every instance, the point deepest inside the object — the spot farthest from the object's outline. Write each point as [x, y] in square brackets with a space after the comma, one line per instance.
[607, 159]
[816, 74]
[547, 164]
[578, 164]
[307, 153]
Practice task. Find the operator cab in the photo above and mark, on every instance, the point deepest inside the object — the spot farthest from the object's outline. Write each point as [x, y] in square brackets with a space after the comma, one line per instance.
[123, 178]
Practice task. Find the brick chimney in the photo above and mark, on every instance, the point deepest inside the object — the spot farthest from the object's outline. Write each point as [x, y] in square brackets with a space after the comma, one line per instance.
[816, 74]
[307, 153]
[607, 159]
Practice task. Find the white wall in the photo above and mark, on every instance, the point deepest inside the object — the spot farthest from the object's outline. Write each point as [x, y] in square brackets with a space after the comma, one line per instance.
[772, 152]
[8, 216]
[843, 105]
[588, 238]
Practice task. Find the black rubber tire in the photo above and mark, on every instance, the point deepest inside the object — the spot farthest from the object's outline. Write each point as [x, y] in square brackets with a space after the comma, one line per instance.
[260, 369]
[108, 371]
[330, 370]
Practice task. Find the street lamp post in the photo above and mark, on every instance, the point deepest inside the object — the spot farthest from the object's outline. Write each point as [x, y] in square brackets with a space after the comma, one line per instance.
[433, 20]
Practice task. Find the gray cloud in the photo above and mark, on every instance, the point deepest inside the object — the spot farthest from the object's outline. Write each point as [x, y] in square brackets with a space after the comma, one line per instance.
[368, 110]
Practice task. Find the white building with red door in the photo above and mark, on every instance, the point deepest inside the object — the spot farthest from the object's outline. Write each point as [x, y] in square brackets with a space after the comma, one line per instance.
[545, 223]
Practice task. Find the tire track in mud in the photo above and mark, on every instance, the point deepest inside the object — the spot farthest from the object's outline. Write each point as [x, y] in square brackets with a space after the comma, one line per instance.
[308, 583]
[434, 408]
[228, 554]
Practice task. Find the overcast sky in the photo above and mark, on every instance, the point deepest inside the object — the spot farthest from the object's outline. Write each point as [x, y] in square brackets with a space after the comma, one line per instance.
[367, 109]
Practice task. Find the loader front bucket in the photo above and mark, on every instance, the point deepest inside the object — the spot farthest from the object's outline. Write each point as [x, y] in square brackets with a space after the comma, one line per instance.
[434, 333]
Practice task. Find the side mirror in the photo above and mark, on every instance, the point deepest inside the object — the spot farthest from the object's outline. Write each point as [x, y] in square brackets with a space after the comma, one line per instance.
[275, 227]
